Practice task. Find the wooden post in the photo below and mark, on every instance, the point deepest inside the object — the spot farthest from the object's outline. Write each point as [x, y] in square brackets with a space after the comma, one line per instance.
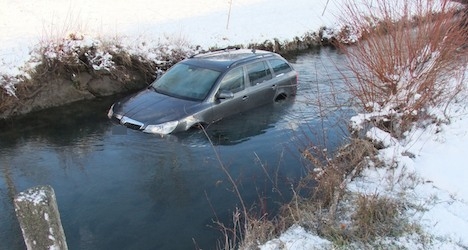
[39, 218]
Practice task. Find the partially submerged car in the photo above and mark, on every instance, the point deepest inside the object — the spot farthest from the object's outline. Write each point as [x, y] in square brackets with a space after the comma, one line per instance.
[205, 88]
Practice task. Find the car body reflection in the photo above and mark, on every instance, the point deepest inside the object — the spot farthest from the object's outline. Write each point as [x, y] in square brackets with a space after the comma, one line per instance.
[238, 128]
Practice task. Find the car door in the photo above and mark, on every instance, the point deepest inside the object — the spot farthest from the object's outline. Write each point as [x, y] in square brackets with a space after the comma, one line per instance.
[233, 82]
[284, 76]
[262, 86]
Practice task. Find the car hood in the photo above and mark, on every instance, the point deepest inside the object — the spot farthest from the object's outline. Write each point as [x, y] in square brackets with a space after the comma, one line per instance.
[151, 107]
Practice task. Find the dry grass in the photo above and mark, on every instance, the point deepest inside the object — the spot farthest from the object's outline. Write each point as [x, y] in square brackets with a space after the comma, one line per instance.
[330, 175]
[258, 230]
[319, 197]
[376, 216]
[364, 220]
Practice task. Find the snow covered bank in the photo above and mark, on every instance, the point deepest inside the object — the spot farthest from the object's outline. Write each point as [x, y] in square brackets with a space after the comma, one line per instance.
[206, 23]
[429, 172]
[424, 173]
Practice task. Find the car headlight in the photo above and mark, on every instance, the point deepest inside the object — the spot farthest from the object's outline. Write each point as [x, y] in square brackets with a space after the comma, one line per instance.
[111, 111]
[163, 128]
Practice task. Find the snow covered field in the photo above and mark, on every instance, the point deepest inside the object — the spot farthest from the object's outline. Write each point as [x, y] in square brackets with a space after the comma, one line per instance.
[440, 151]
[24, 24]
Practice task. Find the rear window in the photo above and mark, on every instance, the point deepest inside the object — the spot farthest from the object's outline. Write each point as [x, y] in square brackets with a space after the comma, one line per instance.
[280, 66]
[258, 72]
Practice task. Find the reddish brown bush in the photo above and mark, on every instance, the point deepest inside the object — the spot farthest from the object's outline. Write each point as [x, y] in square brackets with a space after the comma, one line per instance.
[407, 56]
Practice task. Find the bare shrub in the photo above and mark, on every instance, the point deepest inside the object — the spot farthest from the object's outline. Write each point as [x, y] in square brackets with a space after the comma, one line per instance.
[299, 43]
[406, 58]
[70, 55]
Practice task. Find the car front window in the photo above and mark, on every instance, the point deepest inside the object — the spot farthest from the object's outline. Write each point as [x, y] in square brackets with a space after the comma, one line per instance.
[187, 82]
[233, 81]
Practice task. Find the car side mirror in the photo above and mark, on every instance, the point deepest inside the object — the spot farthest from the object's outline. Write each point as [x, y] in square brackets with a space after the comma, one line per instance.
[225, 94]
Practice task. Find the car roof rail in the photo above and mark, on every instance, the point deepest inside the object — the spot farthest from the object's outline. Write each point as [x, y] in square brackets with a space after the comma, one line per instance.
[214, 51]
[252, 57]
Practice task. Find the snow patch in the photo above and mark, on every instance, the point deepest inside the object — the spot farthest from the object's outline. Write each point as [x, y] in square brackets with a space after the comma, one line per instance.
[36, 197]
[297, 238]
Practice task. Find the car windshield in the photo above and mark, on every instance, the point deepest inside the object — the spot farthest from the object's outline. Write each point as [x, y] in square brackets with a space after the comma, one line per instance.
[187, 82]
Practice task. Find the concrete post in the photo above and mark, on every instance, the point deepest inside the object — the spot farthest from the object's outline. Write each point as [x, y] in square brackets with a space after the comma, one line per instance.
[39, 218]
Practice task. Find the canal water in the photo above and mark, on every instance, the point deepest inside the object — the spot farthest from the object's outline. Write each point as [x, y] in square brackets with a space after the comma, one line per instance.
[140, 191]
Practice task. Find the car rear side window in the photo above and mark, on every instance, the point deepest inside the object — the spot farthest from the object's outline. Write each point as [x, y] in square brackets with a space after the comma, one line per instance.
[258, 72]
[233, 81]
[280, 66]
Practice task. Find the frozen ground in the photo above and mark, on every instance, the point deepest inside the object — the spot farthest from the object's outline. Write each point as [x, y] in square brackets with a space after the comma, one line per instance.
[440, 162]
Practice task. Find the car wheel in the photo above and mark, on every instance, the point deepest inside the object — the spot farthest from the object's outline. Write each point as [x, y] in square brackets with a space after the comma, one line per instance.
[281, 97]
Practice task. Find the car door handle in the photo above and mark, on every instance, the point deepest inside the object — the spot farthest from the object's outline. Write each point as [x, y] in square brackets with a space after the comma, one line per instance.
[273, 86]
[245, 98]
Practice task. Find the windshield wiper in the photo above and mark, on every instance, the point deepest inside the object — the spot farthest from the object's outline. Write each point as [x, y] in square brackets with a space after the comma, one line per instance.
[154, 88]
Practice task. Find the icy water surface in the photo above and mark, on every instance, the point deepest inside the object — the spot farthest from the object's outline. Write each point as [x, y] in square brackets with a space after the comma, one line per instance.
[141, 191]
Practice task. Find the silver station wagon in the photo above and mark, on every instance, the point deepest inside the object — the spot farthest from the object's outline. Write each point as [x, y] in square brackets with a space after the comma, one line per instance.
[205, 88]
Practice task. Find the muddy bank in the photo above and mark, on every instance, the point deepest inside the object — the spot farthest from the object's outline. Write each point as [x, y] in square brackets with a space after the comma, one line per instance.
[56, 90]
